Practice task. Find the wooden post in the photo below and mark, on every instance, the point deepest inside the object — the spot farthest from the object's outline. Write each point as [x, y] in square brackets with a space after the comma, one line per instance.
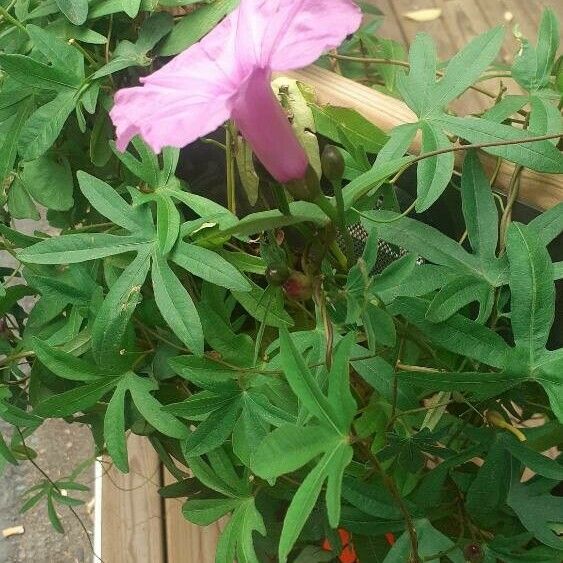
[186, 542]
[132, 519]
[540, 191]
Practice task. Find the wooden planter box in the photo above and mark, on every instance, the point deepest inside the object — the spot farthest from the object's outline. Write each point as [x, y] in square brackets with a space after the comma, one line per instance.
[137, 525]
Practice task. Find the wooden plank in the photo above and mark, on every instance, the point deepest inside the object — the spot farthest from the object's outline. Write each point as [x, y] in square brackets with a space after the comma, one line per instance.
[186, 542]
[132, 523]
[390, 28]
[541, 191]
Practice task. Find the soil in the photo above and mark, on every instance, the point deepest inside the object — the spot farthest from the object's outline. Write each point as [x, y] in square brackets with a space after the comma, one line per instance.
[60, 448]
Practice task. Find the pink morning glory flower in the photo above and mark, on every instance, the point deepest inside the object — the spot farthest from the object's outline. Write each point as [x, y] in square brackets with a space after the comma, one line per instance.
[227, 75]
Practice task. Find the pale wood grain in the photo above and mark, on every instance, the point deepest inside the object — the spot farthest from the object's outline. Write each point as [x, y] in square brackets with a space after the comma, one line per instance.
[541, 191]
[186, 542]
[132, 523]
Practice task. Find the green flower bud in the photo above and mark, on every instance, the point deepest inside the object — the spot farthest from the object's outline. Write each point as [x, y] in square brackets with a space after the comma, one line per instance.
[332, 163]
[307, 188]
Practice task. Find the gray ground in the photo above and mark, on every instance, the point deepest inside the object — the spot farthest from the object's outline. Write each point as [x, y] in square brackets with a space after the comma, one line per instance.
[60, 448]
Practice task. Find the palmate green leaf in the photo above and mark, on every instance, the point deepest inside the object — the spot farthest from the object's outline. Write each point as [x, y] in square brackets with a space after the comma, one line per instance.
[532, 290]
[213, 431]
[76, 400]
[505, 108]
[76, 11]
[198, 406]
[60, 53]
[433, 174]
[335, 474]
[131, 7]
[330, 120]
[9, 148]
[371, 497]
[151, 409]
[112, 320]
[167, 223]
[16, 416]
[154, 28]
[541, 156]
[545, 117]
[20, 204]
[458, 293]
[300, 212]
[125, 55]
[49, 183]
[373, 179]
[422, 240]
[191, 29]
[114, 428]
[290, 447]
[35, 74]
[204, 512]
[458, 334]
[532, 66]
[380, 375]
[249, 431]
[110, 204]
[306, 497]
[53, 516]
[489, 489]
[477, 383]
[396, 273]
[6, 452]
[44, 125]
[73, 248]
[305, 387]
[467, 65]
[418, 87]
[339, 393]
[538, 463]
[208, 477]
[209, 266]
[145, 167]
[266, 306]
[206, 373]
[236, 543]
[479, 209]
[548, 225]
[430, 542]
[176, 305]
[65, 365]
[538, 510]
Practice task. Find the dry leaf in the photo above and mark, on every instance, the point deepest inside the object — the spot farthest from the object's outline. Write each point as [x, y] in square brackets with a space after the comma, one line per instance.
[426, 15]
[14, 531]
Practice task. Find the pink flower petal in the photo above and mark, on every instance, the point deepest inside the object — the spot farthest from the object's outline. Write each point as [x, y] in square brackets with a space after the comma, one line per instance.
[264, 124]
[187, 98]
[288, 34]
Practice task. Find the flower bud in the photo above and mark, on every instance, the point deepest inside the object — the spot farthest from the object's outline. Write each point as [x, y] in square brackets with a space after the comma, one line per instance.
[332, 163]
[306, 188]
[298, 286]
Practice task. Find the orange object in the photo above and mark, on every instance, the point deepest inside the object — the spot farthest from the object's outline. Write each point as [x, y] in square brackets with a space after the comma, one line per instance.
[390, 537]
[347, 555]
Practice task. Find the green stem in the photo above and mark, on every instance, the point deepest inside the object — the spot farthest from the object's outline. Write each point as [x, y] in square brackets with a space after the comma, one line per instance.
[324, 203]
[341, 221]
[4, 13]
[231, 183]
[513, 191]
